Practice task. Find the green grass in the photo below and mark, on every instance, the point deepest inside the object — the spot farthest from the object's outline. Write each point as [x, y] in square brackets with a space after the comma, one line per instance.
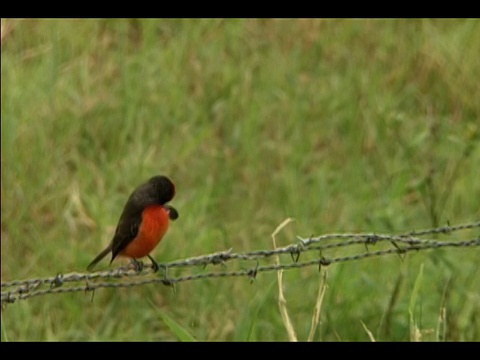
[344, 125]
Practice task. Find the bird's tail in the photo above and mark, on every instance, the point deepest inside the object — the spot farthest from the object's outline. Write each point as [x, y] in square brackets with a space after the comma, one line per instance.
[99, 257]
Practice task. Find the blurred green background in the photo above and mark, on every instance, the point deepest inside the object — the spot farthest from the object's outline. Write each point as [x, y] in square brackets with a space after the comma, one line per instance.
[344, 125]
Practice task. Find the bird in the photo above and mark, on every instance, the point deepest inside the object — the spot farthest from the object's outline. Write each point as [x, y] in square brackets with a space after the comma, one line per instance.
[143, 223]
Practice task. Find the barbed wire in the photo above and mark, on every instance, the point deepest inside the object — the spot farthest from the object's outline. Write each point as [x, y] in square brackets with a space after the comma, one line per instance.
[399, 244]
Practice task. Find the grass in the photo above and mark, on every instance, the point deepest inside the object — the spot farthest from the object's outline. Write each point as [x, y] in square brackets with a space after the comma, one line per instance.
[343, 125]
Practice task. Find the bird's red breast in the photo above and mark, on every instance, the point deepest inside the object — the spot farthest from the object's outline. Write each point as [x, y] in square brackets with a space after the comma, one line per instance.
[154, 225]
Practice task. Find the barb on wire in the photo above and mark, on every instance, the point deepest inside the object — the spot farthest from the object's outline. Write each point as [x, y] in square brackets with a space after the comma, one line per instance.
[126, 276]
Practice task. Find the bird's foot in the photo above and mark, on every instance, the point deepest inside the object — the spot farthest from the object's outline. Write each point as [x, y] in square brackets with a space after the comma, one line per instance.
[155, 266]
[137, 265]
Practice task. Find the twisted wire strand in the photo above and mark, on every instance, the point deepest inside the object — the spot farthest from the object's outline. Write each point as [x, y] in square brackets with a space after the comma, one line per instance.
[24, 289]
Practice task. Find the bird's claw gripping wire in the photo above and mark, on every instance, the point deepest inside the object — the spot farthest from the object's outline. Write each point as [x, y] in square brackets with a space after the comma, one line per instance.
[155, 266]
[137, 265]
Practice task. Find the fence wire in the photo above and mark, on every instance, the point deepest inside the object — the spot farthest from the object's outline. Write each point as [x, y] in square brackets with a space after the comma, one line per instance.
[127, 276]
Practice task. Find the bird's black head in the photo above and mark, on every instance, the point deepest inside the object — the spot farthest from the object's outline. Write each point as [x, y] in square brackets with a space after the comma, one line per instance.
[163, 188]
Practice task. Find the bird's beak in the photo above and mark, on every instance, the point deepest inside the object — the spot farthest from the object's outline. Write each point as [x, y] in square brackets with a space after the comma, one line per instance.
[172, 212]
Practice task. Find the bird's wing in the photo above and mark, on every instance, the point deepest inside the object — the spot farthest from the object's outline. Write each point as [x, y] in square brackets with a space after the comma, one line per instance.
[126, 231]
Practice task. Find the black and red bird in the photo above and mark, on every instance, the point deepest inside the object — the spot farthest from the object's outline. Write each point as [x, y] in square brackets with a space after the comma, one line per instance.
[143, 223]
